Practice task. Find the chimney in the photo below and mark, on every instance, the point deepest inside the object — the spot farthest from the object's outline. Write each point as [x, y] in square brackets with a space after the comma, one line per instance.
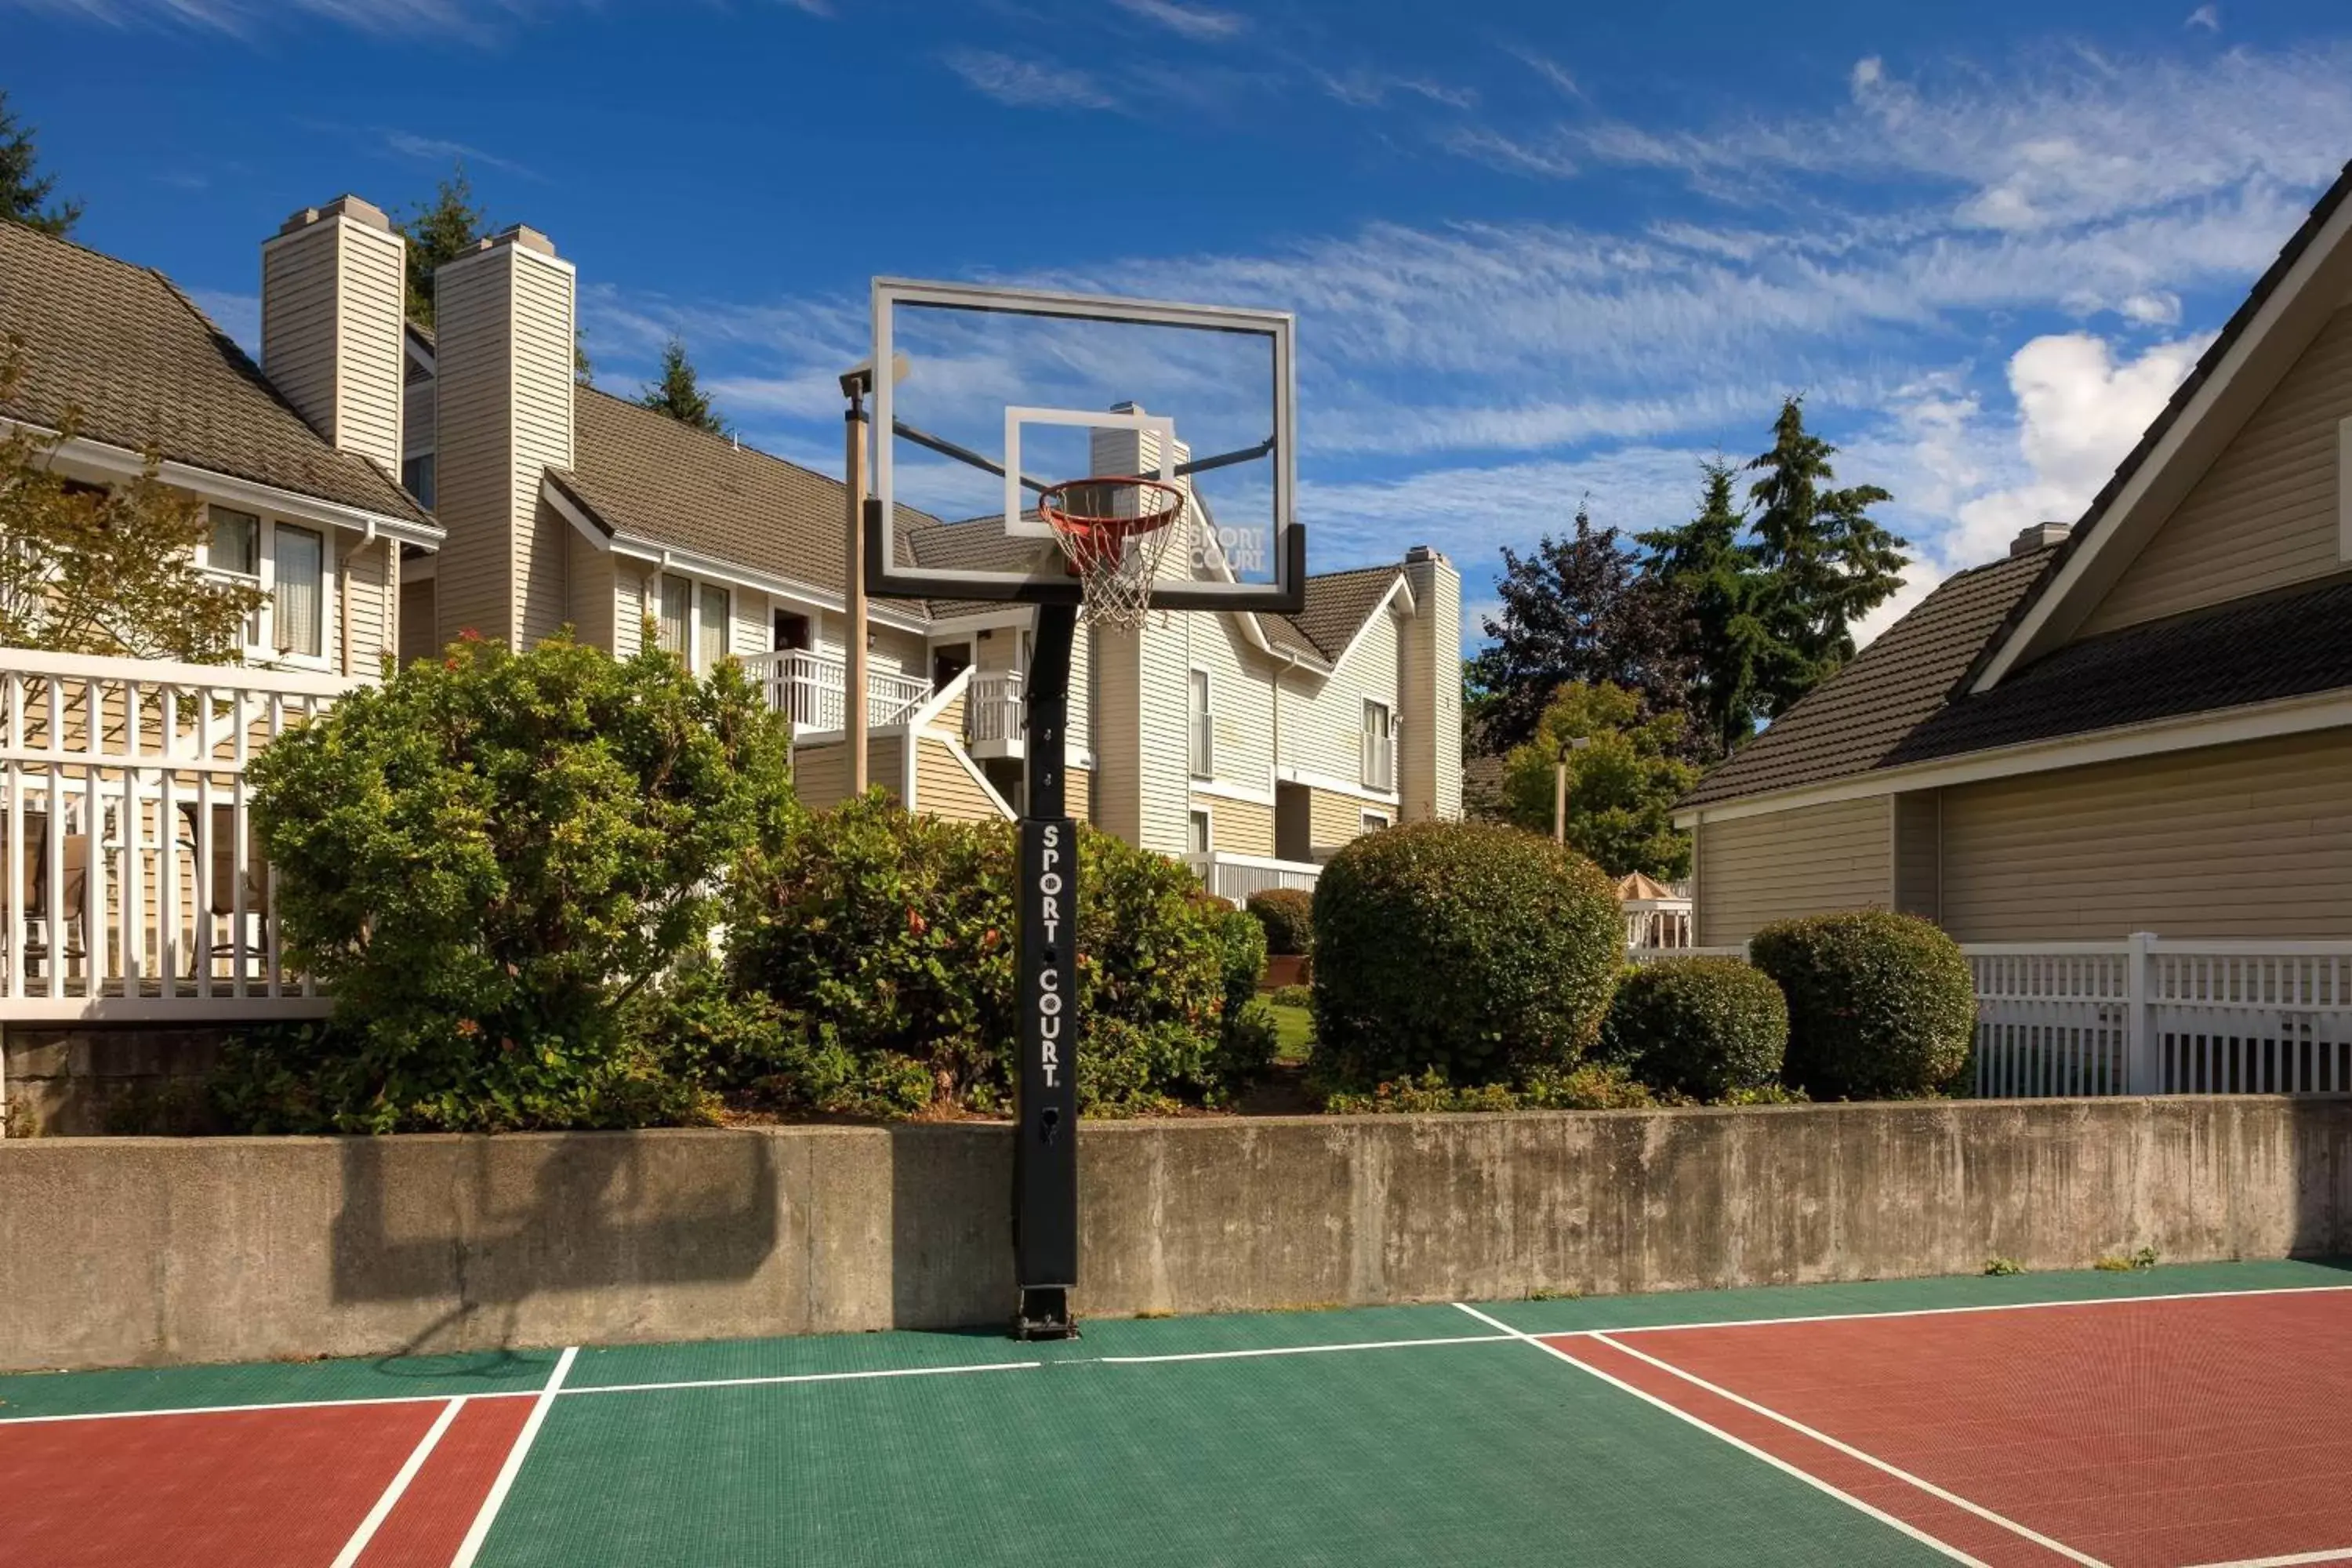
[334, 287]
[1126, 450]
[503, 343]
[2039, 536]
[1429, 690]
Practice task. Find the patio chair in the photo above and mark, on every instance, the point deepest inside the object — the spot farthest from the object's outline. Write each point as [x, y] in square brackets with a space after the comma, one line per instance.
[222, 901]
[75, 852]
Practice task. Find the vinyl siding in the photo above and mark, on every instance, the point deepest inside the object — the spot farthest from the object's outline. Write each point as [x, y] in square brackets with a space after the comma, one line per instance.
[2253, 840]
[1918, 854]
[417, 628]
[820, 773]
[372, 607]
[1322, 719]
[628, 607]
[752, 631]
[943, 788]
[1118, 743]
[542, 430]
[1078, 794]
[372, 360]
[417, 432]
[1242, 827]
[475, 567]
[1429, 759]
[1754, 870]
[595, 611]
[1163, 780]
[2264, 516]
[1241, 700]
[1335, 820]
[298, 321]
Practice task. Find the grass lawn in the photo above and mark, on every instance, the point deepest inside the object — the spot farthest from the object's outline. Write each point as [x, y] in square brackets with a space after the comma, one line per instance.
[1294, 1030]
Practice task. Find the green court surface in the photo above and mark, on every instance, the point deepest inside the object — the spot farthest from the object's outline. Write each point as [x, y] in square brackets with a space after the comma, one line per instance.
[1403, 1434]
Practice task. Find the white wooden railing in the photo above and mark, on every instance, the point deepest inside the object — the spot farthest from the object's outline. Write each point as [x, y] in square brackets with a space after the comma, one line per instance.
[1235, 878]
[134, 883]
[992, 717]
[1377, 753]
[1639, 955]
[810, 689]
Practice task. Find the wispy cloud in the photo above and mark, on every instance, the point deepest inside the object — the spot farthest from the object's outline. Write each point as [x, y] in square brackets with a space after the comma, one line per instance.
[1197, 23]
[1364, 88]
[479, 21]
[440, 150]
[2206, 17]
[1481, 145]
[1551, 69]
[1026, 83]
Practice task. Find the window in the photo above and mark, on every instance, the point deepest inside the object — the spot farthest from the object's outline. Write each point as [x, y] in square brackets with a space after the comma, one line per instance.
[1370, 822]
[237, 543]
[791, 631]
[677, 609]
[1378, 747]
[711, 642]
[300, 601]
[1200, 725]
[1197, 831]
[417, 475]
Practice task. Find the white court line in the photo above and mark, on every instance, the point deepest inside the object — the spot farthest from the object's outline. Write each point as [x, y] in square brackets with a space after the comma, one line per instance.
[358, 1543]
[1851, 1452]
[2332, 1555]
[1905, 1526]
[279, 1405]
[800, 1377]
[1299, 1350]
[488, 1514]
[1955, 1311]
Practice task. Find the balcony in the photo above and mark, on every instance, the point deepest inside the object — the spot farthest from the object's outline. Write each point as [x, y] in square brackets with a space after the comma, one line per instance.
[810, 689]
[1233, 877]
[992, 720]
[1379, 756]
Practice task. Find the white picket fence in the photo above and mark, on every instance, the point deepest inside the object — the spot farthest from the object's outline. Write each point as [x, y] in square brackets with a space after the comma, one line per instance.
[2151, 1015]
[134, 883]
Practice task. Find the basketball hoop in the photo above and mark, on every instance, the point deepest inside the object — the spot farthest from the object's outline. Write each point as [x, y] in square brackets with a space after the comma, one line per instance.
[1114, 532]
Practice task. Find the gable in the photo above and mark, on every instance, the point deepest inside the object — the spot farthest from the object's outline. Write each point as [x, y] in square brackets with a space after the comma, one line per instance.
[2265, 515]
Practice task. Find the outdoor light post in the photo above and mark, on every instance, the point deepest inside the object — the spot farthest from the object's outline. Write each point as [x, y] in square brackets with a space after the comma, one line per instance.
[1560, 787]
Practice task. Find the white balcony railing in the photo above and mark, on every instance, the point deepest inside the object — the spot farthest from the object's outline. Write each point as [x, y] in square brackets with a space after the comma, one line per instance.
[1378, 754]
[812, 689]
[132, 882]
[1233, 877]
[992, 718]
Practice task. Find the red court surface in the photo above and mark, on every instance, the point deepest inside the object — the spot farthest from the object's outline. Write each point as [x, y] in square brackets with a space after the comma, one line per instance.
[2144, 1434]
[2091, 1420]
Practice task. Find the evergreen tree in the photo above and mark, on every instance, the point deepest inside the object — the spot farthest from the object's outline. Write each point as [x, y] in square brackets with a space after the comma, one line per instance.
[24, 190]
[1829, 563]
[440, 230]
[679, 395]
[1578, 609]
[1722, 590]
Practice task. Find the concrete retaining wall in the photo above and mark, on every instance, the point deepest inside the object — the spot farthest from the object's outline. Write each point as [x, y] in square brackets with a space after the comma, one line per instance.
[120, 1251]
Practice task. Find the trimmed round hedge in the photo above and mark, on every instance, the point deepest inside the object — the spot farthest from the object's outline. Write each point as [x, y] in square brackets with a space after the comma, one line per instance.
[1289, 916]
[1469, 949]
[1881, 1006]
[1709, 1028]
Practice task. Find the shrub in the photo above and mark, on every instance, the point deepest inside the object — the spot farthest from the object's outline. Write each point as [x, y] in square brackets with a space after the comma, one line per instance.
[1473, 949]
[1292, 996]
[1289, 916]
[1707, 1028]
[885, 941]
[1880, 1005]
[1244, 956]
[1591, 1085]
[492, 860]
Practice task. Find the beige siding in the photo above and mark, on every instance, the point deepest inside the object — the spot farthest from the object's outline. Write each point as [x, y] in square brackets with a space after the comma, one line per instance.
[1078, 794]
[1336, 819]
[373, 361]
[1322, 719]
[752, 632]
[1242, 827]
[1918, 854]
[417, 628]
[369, 600]
[1430, 693]
[2253, 840]
[1818, 860]
[821, 771]
[595, 594]
[629, 608]
[944, 788]
[332, 295]
[417, 433]
[542, 430]
[297, 321]
[1119, 739]
[1241, 700]
[2265, 515]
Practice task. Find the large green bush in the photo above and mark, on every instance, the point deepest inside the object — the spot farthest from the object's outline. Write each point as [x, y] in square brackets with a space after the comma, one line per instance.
[1476, 951]
[495, 861]
[1881, 1006]
[1289, 916]
[885, 941]
[1707, 1027]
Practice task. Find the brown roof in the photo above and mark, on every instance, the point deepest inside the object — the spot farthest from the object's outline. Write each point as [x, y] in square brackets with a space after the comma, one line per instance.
[141, 366]
[2232, 330]
[1337, 604]
[646, 475]
[1858, 718]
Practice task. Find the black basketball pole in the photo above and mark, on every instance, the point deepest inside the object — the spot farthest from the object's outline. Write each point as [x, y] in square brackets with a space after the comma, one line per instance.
[1046, 1088]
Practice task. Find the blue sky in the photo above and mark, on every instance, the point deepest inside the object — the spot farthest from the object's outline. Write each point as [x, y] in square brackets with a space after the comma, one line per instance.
[1536, 252]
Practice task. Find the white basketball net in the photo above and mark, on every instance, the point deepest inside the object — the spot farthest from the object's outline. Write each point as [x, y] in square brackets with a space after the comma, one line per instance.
[1114, 532]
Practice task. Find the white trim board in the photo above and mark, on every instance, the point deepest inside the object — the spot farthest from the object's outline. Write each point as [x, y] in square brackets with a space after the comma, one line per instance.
[2221, 727]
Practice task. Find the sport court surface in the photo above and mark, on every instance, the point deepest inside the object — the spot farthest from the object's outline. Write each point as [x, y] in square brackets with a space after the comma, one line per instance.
[2186, 1416]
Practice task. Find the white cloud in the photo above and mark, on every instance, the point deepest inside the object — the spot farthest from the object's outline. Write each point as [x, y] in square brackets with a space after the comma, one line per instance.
[1197, 23]
[1026, 83]
[479, 21]
[440, 150]
[1364, 88]
[1552, 70]
[2154, 308]
[1497, 151]
[2206, 17]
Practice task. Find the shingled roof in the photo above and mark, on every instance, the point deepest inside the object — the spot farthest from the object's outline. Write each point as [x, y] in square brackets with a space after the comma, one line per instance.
[1337, 604]
[139, 366]
[1860, 718]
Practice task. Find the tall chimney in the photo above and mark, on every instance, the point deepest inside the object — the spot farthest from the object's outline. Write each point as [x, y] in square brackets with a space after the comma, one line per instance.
[503, 317]
[1430, 690]
[334, 285]
[2039, 536]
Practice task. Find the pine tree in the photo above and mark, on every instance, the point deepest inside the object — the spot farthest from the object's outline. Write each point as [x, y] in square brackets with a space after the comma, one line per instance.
[23, 190]
[440, 230]
[679, 395]
[1578, 609]
[1721, 589]
[1828, 562]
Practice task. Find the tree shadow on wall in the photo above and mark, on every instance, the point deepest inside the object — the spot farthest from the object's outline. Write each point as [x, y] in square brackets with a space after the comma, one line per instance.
[951, 1226]
[490, 1224]
[2321, 1128]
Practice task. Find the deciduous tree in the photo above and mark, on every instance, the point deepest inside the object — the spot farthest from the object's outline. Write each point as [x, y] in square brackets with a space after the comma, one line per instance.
[1622, 782]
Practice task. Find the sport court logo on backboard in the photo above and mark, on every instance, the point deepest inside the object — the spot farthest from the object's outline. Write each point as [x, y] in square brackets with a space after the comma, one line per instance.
[1243, 547]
